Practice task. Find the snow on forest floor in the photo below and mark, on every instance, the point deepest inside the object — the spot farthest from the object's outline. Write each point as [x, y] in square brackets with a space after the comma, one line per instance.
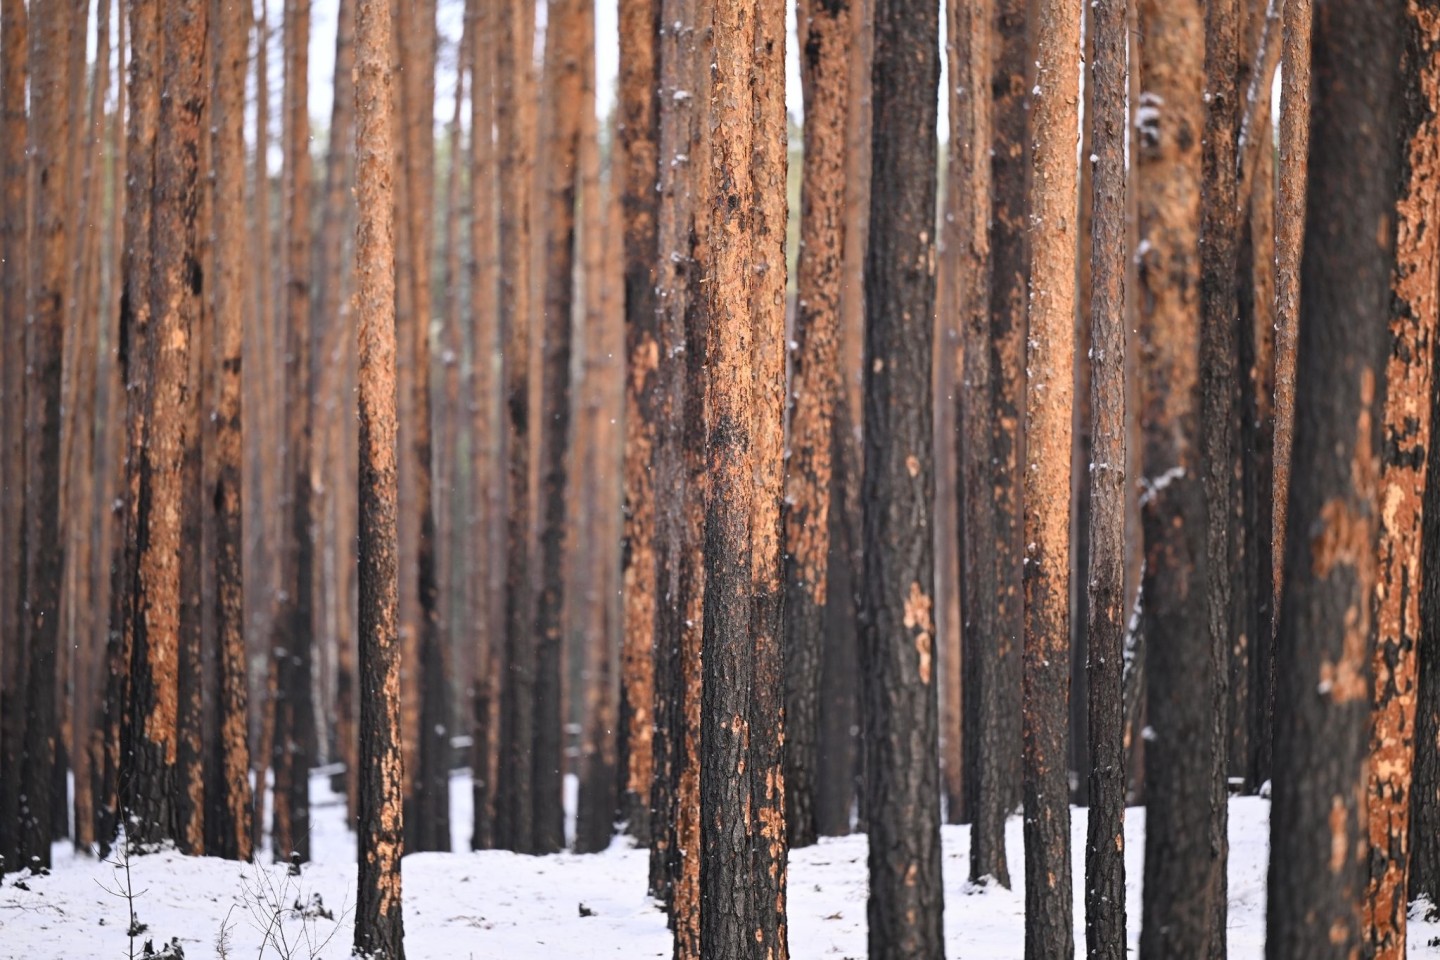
[500, 906]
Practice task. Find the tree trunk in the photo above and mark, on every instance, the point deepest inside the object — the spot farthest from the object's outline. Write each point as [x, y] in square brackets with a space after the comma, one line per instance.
[513, 826]
[14, 275]
[1180, 858]
[484, 433]
[639, 130]
[815, 373]
[1105, 826]
[228, 810]
[1230, 615]
[994, 368]
[678, 479]
[1323, 707]
[379, 927]
[569, 32]
[742, 832]
[902, 798]
[1409, 379]
[1289, 234]
[1050, 366]
[48, 266]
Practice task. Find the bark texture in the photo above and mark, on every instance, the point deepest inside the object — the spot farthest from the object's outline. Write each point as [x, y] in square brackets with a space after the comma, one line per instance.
[897, 637]
[379, 927]
[1318, 835]
[1404, 459]
[1049, 364]
[1105, 825]
[815, 381]
[1180, 858]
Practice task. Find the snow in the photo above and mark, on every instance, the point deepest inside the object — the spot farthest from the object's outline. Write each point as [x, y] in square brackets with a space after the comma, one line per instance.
[501, 905]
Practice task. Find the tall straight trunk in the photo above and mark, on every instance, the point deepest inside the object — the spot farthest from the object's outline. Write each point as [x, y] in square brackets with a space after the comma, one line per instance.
[1179, 854]
[967, 198]
[513, 815]
[569, 32]
[1106, 614]
[294, 642]
[1424, 844]
[1409, 380]
[48, 266]
[1289, 234]
[429, 788]
[677, 484]
[228, 788]
[994, 347]
[815, 373]
[595, 808]
[14, 274]
[742, 787]
[333, 366]
[485, 438]
[639, 134]
[175, 285]
[1050, 367]
[1230, 616]
[379, 926]
[1318, 835]
[897, 636]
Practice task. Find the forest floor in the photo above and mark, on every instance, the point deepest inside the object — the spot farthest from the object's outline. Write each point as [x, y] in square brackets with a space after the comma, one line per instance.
[500, 906]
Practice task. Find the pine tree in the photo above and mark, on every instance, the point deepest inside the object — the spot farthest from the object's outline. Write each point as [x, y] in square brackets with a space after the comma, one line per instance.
[1318, 835]
[379, 927]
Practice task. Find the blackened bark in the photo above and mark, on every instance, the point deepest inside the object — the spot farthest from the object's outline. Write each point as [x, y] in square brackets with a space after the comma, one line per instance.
[815, 373]
[379, 927]
[639, 134]
[1105, 828]
[994, 366]
[1220, 414]
[48, 269]
[1318, 843]
[1179, 851]
[1050, 370]
[897, 636]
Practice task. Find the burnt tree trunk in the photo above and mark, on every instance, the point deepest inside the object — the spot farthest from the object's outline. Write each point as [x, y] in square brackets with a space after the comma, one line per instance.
[1409, 384]
[994, 345]
[1050, 366]
[1105, 826]
[379, 927]
[1318, 842]
[1179, 853]
[897, 637]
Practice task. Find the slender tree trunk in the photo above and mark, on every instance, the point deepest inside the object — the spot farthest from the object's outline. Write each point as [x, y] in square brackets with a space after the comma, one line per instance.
[968, 200]
[1050, 366]
[1230, 613]
[742, 792]
[484, 432]
[1318, 836]
[569, 32]
[815, 364]
[1289, 235]
[1409, 380]
[14, 275]
[902, 799]
[1179, 854]
[639, 130]
[994, 367]
[1105, 826]
[48, 266]
[379, 927]
[228, 809]
[513, 827]
[677, 479]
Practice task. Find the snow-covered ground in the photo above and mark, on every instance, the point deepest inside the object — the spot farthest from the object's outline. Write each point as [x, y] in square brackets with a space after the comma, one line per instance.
[500, 906]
